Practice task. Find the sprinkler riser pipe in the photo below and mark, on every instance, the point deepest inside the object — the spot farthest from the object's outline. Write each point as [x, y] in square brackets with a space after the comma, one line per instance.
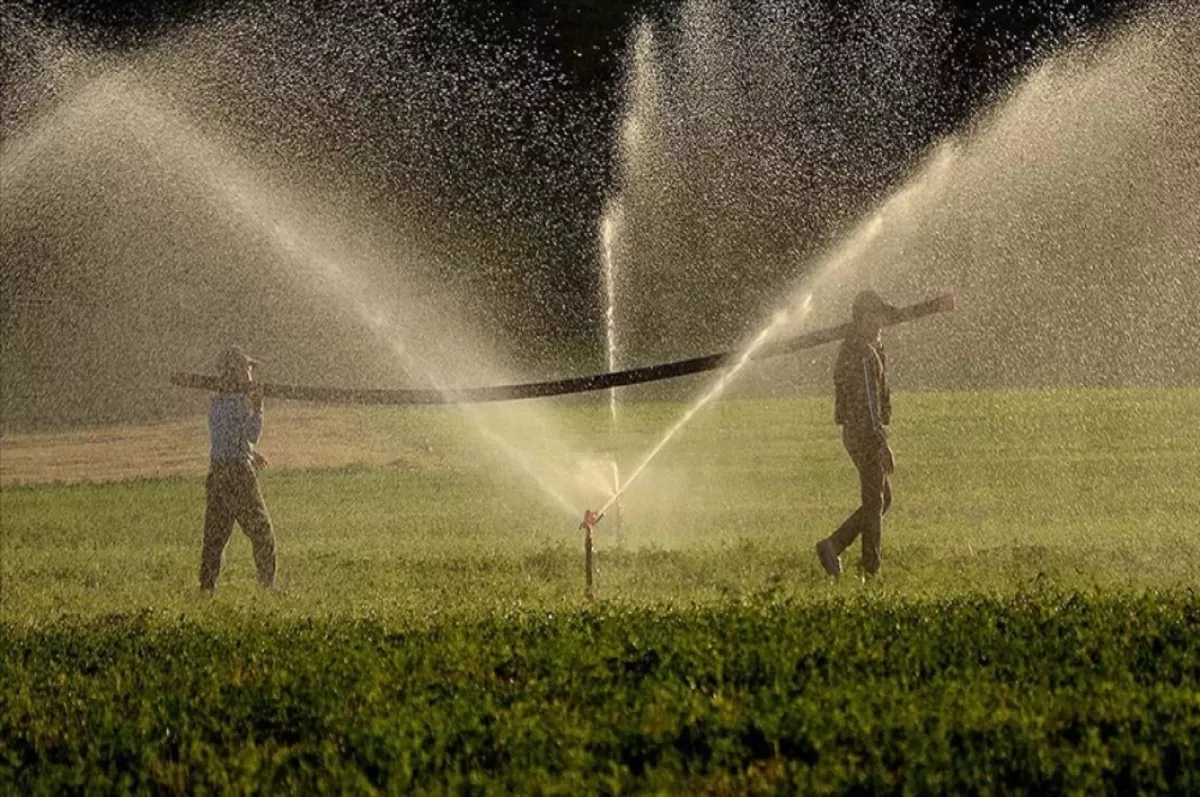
[589, 561]
[588, 527]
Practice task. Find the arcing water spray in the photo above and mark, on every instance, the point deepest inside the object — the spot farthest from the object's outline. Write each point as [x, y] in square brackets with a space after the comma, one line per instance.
[940, 304]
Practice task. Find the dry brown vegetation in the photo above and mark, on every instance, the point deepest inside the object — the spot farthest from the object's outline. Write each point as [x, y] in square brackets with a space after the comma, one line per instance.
[296, 436]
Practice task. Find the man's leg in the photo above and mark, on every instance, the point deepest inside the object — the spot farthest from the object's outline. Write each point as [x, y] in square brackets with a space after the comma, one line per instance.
[852, 526]
[875, 496]
[256, 522]
[829, 550]
[218, 528]
[876, 499]
[848, 532]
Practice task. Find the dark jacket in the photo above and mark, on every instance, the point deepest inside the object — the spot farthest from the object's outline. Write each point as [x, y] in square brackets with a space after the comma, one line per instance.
[862, 402]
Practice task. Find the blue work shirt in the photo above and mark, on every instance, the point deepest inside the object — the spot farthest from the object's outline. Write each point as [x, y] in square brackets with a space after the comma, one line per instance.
[233, 428]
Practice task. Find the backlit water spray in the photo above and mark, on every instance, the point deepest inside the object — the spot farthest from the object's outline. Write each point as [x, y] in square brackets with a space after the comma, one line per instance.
[609, 226]
[176, 148]
[897, 208]
[609, 230]
[717, 389]
[642, 92]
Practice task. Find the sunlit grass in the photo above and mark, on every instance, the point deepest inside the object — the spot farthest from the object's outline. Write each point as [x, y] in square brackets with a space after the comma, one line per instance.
[993, 491]
[1034, 629]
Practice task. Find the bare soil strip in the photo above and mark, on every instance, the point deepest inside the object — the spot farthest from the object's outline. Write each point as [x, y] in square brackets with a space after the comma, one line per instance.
[295, 437]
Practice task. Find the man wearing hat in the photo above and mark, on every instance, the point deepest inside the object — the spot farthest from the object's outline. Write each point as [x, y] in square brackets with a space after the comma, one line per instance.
[862, 406]
[234, 424]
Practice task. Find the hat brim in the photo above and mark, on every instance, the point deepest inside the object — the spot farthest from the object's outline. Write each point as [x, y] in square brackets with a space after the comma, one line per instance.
[237, 359]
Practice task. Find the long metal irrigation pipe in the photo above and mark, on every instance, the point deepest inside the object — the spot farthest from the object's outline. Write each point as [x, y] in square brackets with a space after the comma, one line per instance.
[557, 387]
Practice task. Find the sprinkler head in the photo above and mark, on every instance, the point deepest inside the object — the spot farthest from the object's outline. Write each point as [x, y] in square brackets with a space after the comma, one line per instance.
[590, 519]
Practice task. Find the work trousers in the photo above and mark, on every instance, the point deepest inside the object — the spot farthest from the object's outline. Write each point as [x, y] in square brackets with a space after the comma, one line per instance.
[233, 495]
[873, 466]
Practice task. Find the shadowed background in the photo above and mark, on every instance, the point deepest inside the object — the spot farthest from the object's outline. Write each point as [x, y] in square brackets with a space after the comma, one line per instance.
[411, 194]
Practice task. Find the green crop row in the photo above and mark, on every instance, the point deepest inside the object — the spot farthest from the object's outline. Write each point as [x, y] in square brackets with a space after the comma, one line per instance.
[1038, 692]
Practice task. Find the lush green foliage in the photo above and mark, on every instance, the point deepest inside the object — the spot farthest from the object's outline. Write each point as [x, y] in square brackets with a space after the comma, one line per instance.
[1038, 693]
[1034, 629]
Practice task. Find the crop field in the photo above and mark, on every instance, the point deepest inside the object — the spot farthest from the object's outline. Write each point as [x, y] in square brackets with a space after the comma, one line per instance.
[1036, 627]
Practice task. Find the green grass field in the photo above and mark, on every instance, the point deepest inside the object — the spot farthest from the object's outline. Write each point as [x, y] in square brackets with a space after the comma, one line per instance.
[1035, 627]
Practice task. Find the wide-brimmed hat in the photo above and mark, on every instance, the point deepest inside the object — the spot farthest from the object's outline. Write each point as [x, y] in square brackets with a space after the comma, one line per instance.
[235, 359]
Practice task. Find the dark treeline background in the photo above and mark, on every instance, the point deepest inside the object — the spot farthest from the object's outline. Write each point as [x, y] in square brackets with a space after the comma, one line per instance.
[538, 190]
[990, 43]
[992, 39]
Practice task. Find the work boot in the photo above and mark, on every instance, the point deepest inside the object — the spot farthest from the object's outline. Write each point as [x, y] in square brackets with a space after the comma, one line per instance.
[829, 560]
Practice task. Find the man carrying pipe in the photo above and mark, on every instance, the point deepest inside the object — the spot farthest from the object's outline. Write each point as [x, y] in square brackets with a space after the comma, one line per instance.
[561, 387]
[234, 423]
[863, 408]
